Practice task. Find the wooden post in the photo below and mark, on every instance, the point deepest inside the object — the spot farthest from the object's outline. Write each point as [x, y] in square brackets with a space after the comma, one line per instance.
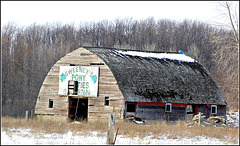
[26, 116]
[31, 114]
[115, 137]
[199, 118]
[167, 118]
[110, 130]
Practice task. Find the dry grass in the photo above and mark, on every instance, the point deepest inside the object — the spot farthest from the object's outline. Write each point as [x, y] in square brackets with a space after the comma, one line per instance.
[49, 126]
[129, 129]
[176, 130]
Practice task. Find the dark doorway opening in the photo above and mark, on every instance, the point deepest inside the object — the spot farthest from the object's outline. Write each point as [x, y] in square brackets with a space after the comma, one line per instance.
[131, 106]
[191, 111]
[77, 109]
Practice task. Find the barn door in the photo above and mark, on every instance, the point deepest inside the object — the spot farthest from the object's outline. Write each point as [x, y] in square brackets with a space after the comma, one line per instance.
[77, 109]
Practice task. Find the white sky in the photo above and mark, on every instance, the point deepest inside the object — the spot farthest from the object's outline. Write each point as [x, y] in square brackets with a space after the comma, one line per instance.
[41, 12]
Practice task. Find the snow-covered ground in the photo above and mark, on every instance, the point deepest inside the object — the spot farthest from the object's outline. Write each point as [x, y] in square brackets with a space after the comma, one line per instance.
[233, 118]
[30, 137]
[27, 137]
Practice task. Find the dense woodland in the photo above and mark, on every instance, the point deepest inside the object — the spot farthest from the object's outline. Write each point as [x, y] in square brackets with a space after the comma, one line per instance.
[29, 52]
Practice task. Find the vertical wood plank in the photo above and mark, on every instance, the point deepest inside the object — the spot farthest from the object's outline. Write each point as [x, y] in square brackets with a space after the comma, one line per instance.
[110, 131]
[32, 114]
[26, 116]
[199, 118]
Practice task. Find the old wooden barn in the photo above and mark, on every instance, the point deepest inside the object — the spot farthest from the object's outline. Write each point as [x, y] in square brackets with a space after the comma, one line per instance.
[91, 82]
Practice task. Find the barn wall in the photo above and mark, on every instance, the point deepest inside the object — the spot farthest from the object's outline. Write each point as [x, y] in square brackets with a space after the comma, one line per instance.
[221, 110]
[150, 112]
[203, 109]
[107, 87]
[156, 111]
[206, 110]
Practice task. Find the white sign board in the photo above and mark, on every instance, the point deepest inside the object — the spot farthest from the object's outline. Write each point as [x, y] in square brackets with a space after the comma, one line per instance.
[87, 78]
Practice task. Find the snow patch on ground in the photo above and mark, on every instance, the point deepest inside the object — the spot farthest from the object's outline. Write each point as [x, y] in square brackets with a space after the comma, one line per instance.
[179, 57]
[28, 137]
[233, 118]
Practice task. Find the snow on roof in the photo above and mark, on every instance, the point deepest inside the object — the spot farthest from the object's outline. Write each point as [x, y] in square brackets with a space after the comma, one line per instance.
[179, 57]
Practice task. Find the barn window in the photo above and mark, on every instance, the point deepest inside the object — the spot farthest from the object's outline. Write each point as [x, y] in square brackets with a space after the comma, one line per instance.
[106, 101]
[96, 63]
[84, 54]
[189, 109]
[131, 107]
[168, 107]
[213, 109]
[50, 103]
[72, 87]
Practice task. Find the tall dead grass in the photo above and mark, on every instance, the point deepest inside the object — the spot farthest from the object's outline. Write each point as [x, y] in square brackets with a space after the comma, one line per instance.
[176, 130]
[129, 129]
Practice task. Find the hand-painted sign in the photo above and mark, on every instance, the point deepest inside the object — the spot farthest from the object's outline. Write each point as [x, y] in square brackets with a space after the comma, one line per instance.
[87, 78]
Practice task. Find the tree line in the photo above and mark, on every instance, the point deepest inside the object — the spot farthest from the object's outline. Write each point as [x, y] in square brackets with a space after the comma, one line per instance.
[29, 52]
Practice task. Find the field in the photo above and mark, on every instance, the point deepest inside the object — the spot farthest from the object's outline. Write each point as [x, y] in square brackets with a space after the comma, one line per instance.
[17, 131]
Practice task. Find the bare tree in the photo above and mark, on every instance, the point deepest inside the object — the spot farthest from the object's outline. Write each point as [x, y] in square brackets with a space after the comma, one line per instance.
[231, 21]
[230, 11]
[226, 56]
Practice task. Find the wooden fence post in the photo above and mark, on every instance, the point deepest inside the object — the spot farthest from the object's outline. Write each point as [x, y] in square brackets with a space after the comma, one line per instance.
[115, 137]
[32, 114]
[110, 130]
[26, 116]
[199, 118]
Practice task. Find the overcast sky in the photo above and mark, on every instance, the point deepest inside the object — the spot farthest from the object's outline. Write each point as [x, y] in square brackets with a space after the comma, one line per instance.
[41, 12]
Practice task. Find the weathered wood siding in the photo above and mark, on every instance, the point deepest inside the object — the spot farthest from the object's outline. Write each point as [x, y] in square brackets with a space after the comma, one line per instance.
[206, 110]
[221, 111]
[96, 109]
[157, 112]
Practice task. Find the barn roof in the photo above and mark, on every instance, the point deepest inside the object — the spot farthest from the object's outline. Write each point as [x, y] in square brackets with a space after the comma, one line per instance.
[160, 77]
